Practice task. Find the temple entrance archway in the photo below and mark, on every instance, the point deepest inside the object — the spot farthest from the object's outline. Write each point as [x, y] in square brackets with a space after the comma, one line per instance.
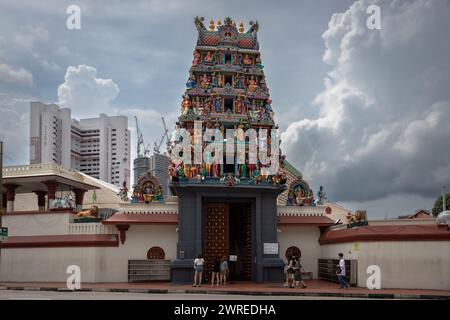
[227, 232]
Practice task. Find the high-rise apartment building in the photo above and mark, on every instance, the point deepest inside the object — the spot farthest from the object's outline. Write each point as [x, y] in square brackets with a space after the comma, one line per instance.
[99, 147]
[159, 167]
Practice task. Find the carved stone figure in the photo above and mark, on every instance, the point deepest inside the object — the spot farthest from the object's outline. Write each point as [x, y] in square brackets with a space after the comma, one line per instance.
[247, 60]
[204, 82]
[209, 57]
[90, 213]
[196, 60]
[186, 104]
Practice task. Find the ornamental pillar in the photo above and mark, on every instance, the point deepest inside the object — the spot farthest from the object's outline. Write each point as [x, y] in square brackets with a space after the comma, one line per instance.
[51, 185]
[41, 199]
[79, 195]
[123, 228]
[10, 195]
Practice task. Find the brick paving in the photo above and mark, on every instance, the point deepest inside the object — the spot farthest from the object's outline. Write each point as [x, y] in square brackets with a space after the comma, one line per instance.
[315, 288]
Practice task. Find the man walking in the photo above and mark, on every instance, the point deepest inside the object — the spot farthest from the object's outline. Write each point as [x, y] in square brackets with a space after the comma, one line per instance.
[341, 272]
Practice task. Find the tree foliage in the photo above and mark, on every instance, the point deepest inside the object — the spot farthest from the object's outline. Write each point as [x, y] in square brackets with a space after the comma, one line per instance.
[438, 204]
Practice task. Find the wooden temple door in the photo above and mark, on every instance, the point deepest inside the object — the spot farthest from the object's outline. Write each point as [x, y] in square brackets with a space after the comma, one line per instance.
[215, 234]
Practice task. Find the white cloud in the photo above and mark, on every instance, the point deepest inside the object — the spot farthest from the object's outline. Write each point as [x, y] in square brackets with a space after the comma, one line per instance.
[17, 76]
[29, 35]
[14, 115]
[384, 114]
[86, 94]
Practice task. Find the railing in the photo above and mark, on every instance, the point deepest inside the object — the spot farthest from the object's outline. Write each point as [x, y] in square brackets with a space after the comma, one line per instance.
[90, 228]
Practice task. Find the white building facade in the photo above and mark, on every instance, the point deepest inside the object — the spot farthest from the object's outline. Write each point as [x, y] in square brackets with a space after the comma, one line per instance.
[99, 147]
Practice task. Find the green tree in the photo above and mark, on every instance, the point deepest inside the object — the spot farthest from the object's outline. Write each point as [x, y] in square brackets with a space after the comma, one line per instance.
[438, 204]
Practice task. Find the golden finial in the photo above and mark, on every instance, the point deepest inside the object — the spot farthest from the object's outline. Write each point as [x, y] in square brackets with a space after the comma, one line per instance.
[211, 25]
[241, 27]
[219, 23]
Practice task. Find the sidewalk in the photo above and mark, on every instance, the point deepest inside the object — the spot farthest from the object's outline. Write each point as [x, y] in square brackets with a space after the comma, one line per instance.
[315, 288]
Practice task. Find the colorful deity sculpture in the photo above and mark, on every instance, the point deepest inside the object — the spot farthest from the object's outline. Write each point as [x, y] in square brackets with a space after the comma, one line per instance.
[197, 57]
[221, 80]
[252, 84]
[198, 108]
[209, 57]
[204, 82]
[321, 196]
[214, 80]
[235, 58]
[220, 57]
[191, 83]
[237, 82]
[186, 104]
[218, 104]
[238, 106]
[247, 60]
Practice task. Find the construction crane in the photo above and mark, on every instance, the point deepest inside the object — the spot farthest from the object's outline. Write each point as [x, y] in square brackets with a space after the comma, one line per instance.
[165, 135]
[140, 141]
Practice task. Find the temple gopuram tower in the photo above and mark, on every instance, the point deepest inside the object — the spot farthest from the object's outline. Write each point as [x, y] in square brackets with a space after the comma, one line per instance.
[227, 208]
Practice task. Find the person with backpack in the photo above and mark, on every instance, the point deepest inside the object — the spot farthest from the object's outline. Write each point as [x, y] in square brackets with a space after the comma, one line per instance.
[290, 272]
[298, 272]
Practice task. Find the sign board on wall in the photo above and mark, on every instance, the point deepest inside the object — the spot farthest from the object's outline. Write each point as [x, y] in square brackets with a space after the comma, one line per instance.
[3, 233]
[233, 258]
[270, 248]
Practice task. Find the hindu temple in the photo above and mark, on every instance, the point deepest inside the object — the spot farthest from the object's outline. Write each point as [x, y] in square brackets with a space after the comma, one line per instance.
[227, 208]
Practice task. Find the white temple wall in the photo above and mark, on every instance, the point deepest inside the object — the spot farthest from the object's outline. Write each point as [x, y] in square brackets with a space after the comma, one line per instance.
[403, 264]
[37, 224]
[138, 241]
[97, 264]
[306, 239]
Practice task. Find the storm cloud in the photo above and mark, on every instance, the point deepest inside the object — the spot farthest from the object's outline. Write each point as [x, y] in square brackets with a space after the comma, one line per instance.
[383, 118]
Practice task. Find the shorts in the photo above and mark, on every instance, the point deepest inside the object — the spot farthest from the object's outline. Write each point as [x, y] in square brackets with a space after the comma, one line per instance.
[298, 276]
[198, 269]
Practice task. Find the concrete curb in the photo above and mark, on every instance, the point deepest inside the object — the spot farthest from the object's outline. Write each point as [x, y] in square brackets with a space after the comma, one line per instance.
[251, 293]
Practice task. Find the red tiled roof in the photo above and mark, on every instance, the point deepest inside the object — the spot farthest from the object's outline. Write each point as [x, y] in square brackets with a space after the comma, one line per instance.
[68, 240]
[169, 218]
[387, 233]
[142, 218]
[320, 221]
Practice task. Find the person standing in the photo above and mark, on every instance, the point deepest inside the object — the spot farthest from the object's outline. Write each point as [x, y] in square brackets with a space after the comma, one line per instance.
[341, 272]
[215, 271]
[286, 274]
[224, 270]
[290, 272]
[198, 270]
[298, 273]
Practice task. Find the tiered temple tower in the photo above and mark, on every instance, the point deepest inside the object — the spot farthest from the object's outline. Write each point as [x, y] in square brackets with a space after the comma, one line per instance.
[227, 208]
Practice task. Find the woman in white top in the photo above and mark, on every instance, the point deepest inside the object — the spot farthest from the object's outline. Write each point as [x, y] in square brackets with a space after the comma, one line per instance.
[198, 268]
[224, 270]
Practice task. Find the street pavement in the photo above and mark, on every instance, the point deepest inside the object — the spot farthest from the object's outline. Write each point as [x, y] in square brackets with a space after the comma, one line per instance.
[55, 295]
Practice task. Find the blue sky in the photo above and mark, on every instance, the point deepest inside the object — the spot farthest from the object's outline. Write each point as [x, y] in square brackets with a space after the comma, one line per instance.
[362, 111]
